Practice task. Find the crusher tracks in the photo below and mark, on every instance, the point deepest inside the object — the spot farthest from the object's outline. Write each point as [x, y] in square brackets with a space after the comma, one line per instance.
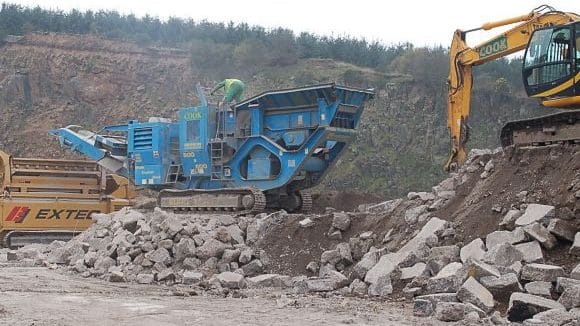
[239, 201]
[546, 130]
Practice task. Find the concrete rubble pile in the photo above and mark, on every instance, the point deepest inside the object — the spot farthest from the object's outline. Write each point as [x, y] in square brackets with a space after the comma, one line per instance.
[422, 261]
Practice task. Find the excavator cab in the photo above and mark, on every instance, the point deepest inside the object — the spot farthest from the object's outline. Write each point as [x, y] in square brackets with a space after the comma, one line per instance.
[552, 65]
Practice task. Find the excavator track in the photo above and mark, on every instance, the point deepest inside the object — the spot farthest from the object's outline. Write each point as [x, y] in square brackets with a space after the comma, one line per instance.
[240, 201]
[306, 204]
[546, 130]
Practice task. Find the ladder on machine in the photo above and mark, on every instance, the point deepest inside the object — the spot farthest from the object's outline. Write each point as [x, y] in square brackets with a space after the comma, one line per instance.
[217, 146]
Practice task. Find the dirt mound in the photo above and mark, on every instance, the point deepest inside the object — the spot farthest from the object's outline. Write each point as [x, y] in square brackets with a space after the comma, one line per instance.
[343, 201]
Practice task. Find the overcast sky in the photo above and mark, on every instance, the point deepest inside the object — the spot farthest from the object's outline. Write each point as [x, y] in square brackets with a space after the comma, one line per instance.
[422, 22]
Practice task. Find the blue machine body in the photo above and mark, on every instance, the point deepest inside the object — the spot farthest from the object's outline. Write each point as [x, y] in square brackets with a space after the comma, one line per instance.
[283, 140]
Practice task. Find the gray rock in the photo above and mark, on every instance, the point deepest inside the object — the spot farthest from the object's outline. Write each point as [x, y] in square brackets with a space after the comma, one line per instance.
[231, 255]
[211, 248]
[412, 214]
[191, 263]
[268, 280]
[190, 277]
[306, 223]
[531, 252]
[422, 308]
[231, 280]
[473, 250]
[562, 283]
[381, 288]
[172, 225]
[324, 284]
[160, 255]
[575, 274]
[413, 271]
[144, 278]
[388, 262]
[253, 268]
[117, 276]
[570, 298]
[184, 248]
[344, 253]
[562, 229]
[554, 317]
[480, 269]
[359, 247]
[369, 260]
[167, 244]
[235, 233]
[312, 267]
[454, 311]
[575, 248]
[500, 286]
[103, 264]
[439, 297]
[165, 275]
[330, 257]
[246, 255]
[498, 237]
[536, 213]
[503, 254]
[509, 219]
[341, 221]
[358, 288]
[449, 279]
[539, 288]
[523, 306]
[473, 292]
[541, 234]
[541, 272]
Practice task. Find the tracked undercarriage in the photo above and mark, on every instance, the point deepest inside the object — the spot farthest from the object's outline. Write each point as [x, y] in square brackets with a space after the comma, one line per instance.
[240, 201]
[550, 129]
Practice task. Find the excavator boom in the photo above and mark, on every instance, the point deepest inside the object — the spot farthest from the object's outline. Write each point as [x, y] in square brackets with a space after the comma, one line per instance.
[517, 38]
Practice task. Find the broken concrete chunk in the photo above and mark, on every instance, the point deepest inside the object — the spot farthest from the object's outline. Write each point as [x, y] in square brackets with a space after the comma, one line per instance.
[553, 317]
[536, 213]
[480, 269]
[523, 306]
[575, 248]
[455, 311]
[412, 214]
[231, 280]
[473, 292]
[503, 254]
[539, 288]
[145, 278]
[500, 286]
[422, 308]
[531, 252]
[541, 234]
[541, 272]
[473, 250]
[341, 221]
[562, 229]
[413, 271]
[449, 279]
[570, 298]
[381, 288]
[509, 219]
[499, 237]
[190, 277]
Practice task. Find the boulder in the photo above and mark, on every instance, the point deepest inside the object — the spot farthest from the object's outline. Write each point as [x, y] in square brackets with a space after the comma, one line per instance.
[413, 271]
[539, 288]
[480, 269]
[160, 255]
[536, 213]
[449, 279]
[439, 297]
[541, 272]
[330, 257]
[570, 298]
[184, 248]
[190, 277]
[455, 311]
[422, 308]
[509, 219]
[246, 255]
[358, 288]
[541, 234]
[498, 237]
[523, 306]
[368, 261]
[575, 274]
[253, 268]
[145, 278]
[502, 285]
[552, 317]
[341, 221]
[531, 252]
[412, 214]
[268, 280]
[117, 276]
[381, 287]
[211, 248]
[473, 292]
[503, 254]
[575, 248]
[231, 280]
[562, 229]
[345, 253]
[473, 250]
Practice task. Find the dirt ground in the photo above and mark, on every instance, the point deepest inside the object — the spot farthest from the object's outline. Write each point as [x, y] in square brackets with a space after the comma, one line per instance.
[40, 296]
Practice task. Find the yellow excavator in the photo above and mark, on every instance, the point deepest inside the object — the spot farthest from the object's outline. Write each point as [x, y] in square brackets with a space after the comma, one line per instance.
[551, 73]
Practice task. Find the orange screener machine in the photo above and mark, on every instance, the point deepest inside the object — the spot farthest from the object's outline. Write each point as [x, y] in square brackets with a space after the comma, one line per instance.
[42, 200]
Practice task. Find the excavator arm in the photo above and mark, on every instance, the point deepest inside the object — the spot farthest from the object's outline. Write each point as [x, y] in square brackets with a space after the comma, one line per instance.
[463, 58]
